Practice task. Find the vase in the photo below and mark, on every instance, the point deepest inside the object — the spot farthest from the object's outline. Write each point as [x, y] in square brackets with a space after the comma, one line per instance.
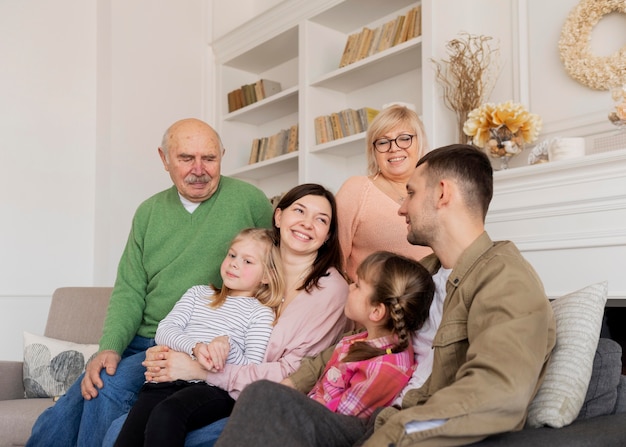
[503, 144]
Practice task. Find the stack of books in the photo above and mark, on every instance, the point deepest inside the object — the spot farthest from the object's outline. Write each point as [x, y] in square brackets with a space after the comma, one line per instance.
[342, 124]
[251, 93]
[371, 41]
[283, 142]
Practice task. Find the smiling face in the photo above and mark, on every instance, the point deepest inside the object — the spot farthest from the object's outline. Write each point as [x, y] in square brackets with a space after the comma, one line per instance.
[192, 154]
[243, 267]
[304, 225]
[397, 164]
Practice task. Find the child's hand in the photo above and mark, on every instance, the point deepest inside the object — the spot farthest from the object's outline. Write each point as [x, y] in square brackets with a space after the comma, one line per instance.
[201, 353]
[218, 350]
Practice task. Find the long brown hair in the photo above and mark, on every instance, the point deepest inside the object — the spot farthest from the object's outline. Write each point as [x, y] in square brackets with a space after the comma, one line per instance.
[329, 254]
[405, 288]
[269, 294]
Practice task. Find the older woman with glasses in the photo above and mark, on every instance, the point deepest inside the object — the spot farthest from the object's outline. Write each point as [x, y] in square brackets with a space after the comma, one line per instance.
[367, 206]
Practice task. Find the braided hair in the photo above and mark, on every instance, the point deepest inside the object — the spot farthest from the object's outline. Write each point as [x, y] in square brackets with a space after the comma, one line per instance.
[405, 288]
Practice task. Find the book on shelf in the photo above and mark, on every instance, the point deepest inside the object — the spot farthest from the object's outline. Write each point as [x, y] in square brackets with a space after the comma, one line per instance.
[417, 24]
[351, 42]
[335, 122]
[342, 124]
[375, 40]
[292, 142]
[254, 151]
[348, 123]
[266, 88]
[283, 142]
[365, 41]
[386, 37]
[398, 31]
[368, 41]
[366, 115]
[250, 93]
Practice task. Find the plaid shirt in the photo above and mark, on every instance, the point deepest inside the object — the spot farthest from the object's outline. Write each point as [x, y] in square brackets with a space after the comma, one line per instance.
[358, 388]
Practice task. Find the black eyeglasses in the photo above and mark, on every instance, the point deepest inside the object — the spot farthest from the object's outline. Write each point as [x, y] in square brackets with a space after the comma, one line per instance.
[403, 141]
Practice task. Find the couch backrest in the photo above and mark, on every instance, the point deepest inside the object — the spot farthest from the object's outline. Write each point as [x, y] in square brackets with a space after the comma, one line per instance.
[77, 313]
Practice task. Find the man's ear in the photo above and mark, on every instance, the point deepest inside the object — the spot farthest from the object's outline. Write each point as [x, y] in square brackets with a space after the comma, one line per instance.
[164, 159]
[445, 191]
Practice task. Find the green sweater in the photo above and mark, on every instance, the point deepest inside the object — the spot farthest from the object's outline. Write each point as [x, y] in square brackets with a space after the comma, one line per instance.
[169, 250]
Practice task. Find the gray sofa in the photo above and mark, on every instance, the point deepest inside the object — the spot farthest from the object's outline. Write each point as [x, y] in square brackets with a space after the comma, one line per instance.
[77, 314]
[602, 419]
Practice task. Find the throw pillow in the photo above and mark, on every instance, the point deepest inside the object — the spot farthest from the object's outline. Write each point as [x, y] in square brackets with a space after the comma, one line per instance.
[51, 366]
[603, 387]
[578, 318]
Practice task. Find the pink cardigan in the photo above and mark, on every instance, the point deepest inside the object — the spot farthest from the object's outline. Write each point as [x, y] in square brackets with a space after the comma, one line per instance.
[310, 324]
[369, 221]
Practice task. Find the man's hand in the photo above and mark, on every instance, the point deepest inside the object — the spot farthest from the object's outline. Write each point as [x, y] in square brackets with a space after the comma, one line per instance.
[288, 382]
[91, 383]
[165, 365]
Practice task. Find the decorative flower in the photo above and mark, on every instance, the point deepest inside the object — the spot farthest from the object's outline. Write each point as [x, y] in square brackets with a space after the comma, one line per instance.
[484, 120]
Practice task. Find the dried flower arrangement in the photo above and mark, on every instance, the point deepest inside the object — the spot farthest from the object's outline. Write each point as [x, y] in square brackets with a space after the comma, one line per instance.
[511, 117]
[468, 75]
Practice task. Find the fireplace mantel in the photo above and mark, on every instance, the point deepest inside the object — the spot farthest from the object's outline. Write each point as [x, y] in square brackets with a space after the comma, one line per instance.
[569, 220]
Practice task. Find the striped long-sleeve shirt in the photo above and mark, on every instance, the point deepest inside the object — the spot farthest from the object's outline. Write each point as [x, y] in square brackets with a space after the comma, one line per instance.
[246, 321]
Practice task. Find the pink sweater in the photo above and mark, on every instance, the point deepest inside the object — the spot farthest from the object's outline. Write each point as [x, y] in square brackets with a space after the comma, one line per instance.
[368, 222]
[311, 323]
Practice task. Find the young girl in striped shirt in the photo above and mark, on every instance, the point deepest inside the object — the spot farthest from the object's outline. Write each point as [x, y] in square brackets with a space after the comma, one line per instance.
[215, 326]
[391, 298]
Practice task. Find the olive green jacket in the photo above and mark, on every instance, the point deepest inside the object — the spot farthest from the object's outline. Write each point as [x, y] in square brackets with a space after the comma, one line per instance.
[491, 350]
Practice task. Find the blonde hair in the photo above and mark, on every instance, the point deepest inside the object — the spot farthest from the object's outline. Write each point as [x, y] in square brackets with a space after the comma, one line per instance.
[270, 294]
[386, 120]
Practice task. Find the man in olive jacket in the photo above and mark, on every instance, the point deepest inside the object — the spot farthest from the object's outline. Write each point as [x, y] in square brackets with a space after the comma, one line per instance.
[490, 351]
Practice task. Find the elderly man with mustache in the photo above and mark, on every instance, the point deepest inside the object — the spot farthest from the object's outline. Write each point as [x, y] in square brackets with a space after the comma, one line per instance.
[178, 239]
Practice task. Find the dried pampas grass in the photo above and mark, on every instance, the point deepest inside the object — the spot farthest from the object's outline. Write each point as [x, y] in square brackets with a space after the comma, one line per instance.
[468, 75]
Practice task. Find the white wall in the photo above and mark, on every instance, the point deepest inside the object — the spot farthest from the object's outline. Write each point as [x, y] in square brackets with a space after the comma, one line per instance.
[87, 88]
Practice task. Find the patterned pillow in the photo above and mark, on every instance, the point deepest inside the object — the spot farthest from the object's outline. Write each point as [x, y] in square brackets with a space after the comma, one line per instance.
[51, 366]
[578, 318]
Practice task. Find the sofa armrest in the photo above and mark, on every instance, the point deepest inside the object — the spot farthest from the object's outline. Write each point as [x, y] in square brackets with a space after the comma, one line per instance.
[11, 380]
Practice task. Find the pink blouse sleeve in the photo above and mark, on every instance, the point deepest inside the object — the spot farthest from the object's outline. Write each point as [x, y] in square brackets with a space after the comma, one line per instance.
[311, 323]
[348, 199]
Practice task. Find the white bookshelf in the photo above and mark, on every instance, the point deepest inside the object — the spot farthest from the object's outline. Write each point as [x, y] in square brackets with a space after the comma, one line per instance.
[302, 50]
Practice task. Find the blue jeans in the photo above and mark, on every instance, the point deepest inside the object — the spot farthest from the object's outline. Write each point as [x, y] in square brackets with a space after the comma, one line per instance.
[74, 421]
[203, 437]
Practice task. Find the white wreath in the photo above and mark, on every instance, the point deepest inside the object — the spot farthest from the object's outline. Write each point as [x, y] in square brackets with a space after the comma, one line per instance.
[596, 72]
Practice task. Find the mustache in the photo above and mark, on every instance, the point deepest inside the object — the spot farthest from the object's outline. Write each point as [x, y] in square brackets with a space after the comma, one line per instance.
[198, 179]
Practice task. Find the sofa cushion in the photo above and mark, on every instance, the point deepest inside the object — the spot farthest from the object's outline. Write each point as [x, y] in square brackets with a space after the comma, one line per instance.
[578, 318]
[17, 418]
[51, 366]
[604, 431]
[603, 387]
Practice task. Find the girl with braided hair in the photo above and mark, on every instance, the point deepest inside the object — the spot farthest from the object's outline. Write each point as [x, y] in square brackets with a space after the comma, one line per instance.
[390, 299]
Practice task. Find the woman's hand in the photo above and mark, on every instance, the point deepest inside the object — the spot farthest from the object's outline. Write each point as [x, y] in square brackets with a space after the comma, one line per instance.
[165, 365]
